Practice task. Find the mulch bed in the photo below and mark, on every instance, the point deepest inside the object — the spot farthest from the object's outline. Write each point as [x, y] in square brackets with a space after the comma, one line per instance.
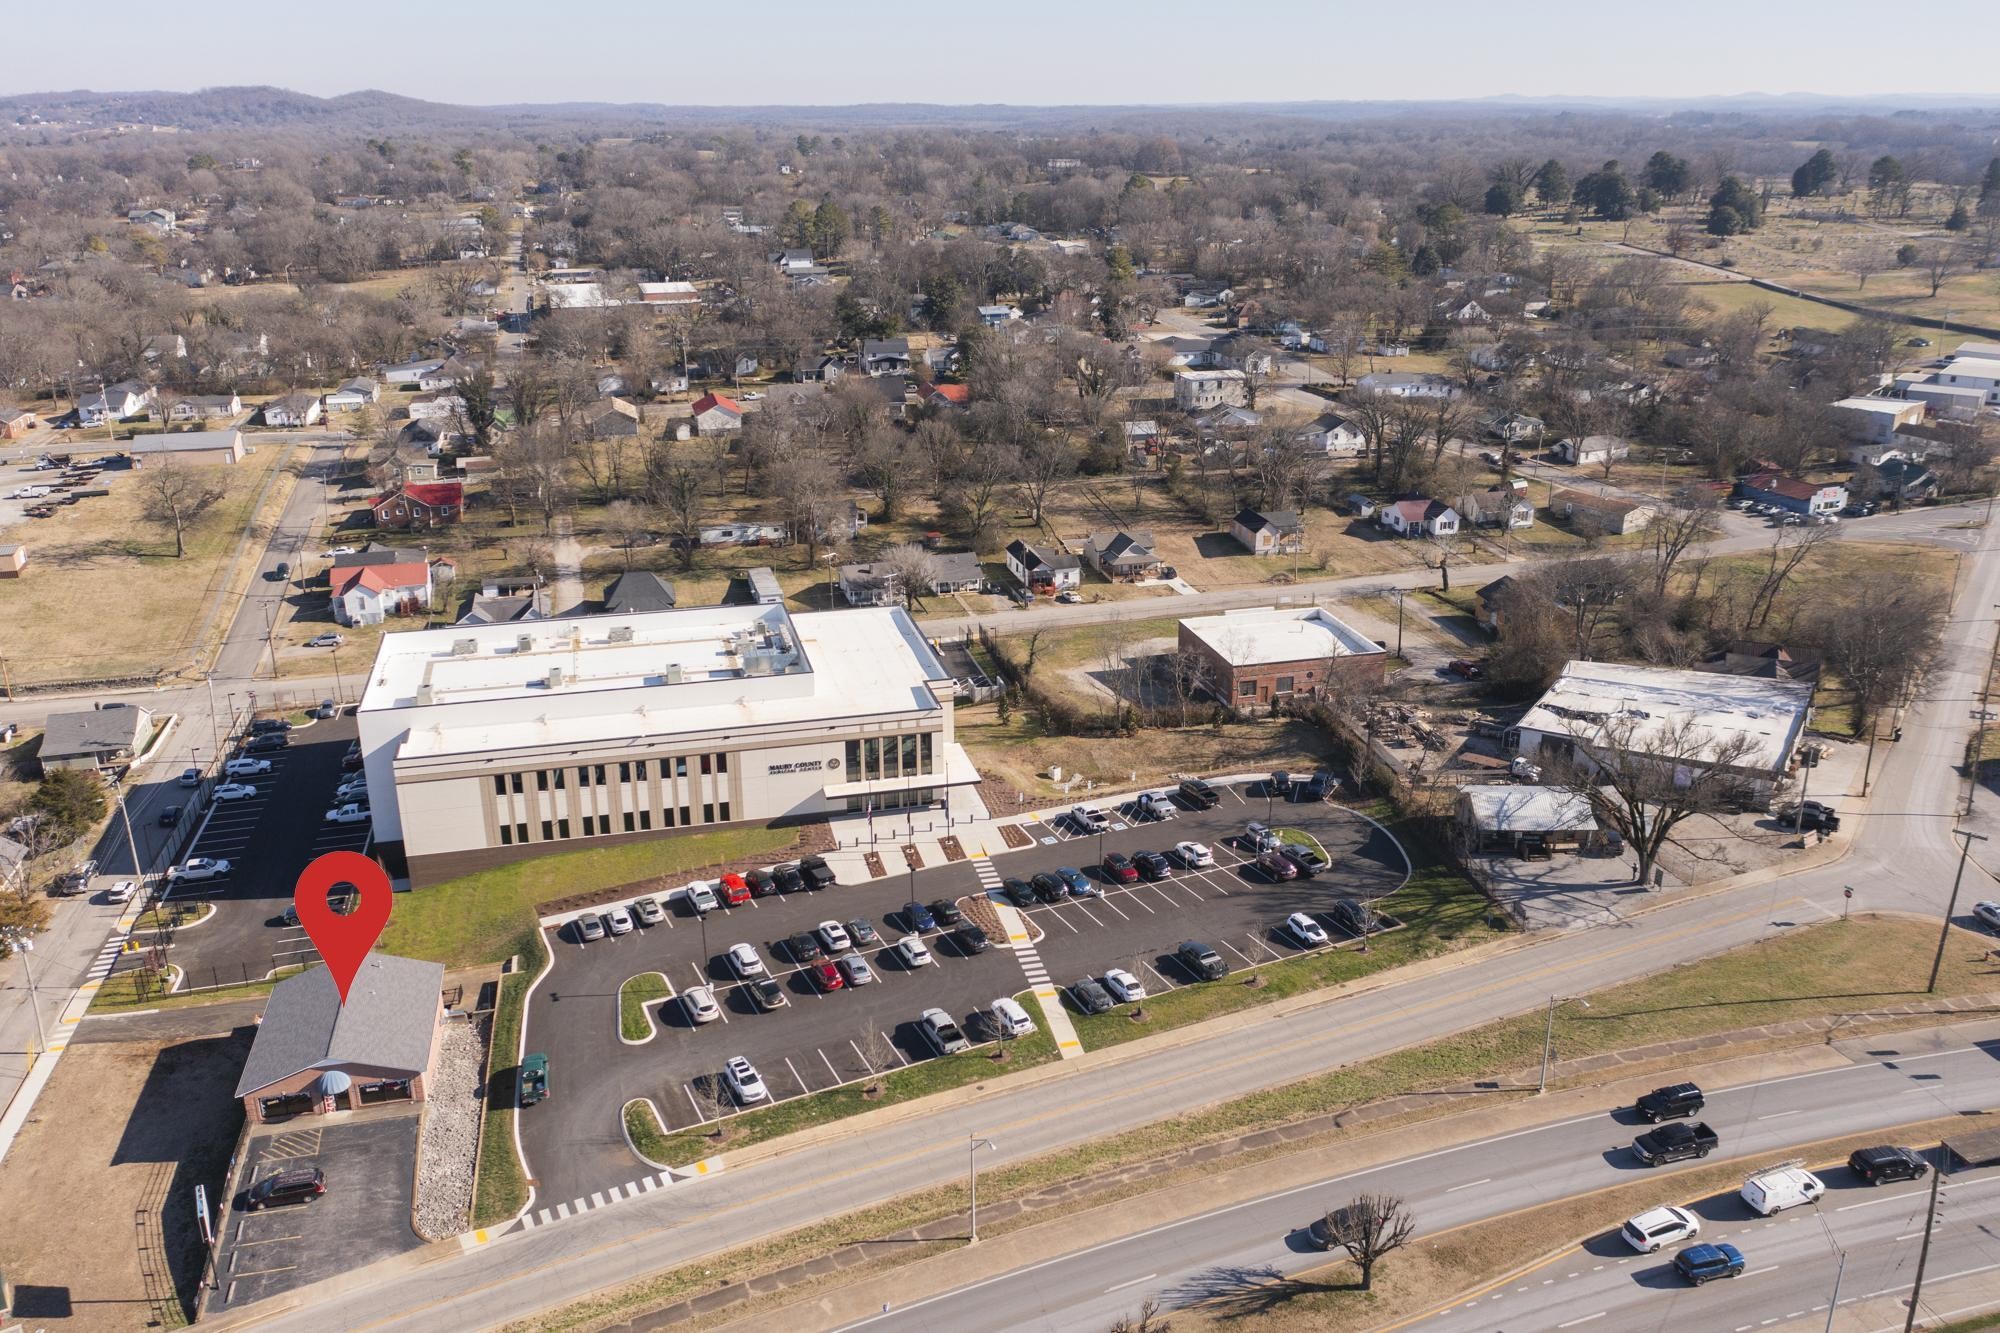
[873, 860]
[1015, 836]
[952, 849]
[911, 858]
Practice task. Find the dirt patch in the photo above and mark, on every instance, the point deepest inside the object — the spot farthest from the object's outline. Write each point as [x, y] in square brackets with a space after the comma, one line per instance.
[873, 860]
[952, 848]
[143, 1124]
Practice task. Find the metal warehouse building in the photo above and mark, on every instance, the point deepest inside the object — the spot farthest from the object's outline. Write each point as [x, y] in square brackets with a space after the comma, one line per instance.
[486, 744]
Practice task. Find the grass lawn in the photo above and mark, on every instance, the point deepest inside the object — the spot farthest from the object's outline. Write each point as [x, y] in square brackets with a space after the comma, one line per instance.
[898, 1085]
[1834, 565]
[124, 990]
[502, 1186]
[489, 915]
[100, 553]
[634, 998]
[1829, 968]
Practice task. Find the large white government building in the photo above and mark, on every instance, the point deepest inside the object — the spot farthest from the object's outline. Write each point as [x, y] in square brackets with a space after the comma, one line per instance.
[486, 744]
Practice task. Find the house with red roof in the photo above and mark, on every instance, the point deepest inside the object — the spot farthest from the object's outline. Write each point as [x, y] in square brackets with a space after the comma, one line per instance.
[420, 504]
[1790, 493]
[949, 395]
[1419, 516]
[715, 414]
[370, 594]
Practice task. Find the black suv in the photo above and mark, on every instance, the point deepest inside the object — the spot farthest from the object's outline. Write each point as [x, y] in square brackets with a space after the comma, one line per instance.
[286, 1187]
[817, 872]
[804, 948]
[264, 724]
[270, 740]
[947, 913]
[1199, 794]
[1886, 1163]
[762, 883]
[1153, 865]
[1356, 918]
[1049, 888]
[1201, 960]
[1319, 786]
[1304, 859]
[789, 879]
[1091, 997]
[971, 938]
[1018, 892]
[1670, 1103]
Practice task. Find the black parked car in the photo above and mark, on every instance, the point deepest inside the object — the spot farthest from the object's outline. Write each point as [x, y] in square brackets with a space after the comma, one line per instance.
[762, 883]
[789, 879]
[947, 913]
[1304, 859]
[1091, 997]
[270, 740]
[1199, 794]
[1670, 1103]
[286, 1187]
[1278, 784]
[1354, 917]
[1886, 1163]
[1018, 891]
[170, 816]
[1675, 1143]
[1049, 888]
[1320, 786]
[971, 938]
[1201, 960]
[804, 948]
[1152, 865]
[264, 724]
[817, 872]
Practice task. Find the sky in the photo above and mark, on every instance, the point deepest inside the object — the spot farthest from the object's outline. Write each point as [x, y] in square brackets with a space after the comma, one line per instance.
[1021, 52]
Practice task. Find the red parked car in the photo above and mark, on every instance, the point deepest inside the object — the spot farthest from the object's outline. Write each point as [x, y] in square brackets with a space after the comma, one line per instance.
[827, 977]
[1277, 865]
[734, 891]
[1120, 868]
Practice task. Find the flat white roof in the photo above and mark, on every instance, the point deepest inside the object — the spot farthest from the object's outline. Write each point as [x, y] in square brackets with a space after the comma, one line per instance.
[1587, 695]
[1978, 367]
[1279, 634]
[1502, 808]
[1887, 406]
[1208, 374]
[474, 688]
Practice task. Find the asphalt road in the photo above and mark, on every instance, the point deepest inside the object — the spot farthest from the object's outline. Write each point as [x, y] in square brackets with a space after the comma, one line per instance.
[1228, 1252]
[820, 1040]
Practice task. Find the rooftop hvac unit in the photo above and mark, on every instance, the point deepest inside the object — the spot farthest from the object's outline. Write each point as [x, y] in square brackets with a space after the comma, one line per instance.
[673, 674]
[423, 695]
[524, 643]
[619, 634]
[464, 647]
[555, 678]
[757, 662]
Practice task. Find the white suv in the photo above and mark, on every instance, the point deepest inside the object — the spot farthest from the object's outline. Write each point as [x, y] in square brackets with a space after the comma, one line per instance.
[744, 1081]
[1656, 1227]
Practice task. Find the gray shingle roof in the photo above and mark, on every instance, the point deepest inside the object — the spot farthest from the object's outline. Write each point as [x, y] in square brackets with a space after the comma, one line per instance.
[388, 1022]
[94, 731]
[638, 590]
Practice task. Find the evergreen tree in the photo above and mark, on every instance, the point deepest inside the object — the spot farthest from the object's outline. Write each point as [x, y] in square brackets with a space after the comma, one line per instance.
[1606, 193]
[1669, 175]
[1815, 174]
[1503, 198]
[1552, 183]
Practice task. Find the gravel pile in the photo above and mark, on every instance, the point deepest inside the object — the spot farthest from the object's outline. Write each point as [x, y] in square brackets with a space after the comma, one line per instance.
[451, 1134]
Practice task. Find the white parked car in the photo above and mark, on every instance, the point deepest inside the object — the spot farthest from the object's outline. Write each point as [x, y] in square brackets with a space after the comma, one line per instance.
[744, 1081]
[1988, 914]
[1194, 855]
[1011, 1018]
[913, 951]
[701, 897]
[199, 867]
[834, 936]
[246, 768]
[1657, 1227]
[648, 911]
[338, 550]
[1124, 985]
[1309, 933]
[699, 1001]
[347, 814]
[122, 891]
[744, 962]
[619, 921]
[234, 791]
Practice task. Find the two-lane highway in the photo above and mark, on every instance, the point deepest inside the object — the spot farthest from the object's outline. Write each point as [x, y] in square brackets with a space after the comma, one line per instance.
[1212, 1254]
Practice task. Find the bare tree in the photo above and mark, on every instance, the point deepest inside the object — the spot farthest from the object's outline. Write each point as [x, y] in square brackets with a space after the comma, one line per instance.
[1046, 460]
[1882, 640]
[682, 481]
[1148, 1320]
[1586, 588]
[1940, 264]
[175, 495]
[878, 1055]
[1644, 775]
[916, 569]
[1686, 522]
[539, 464]
[1370, 1228]
[627, 525]
[1791, 548]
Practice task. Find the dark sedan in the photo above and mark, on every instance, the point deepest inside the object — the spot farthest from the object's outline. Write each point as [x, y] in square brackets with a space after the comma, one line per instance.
[1050, 888]
[1091, 997]
[1019, 892]
[971, 938]
[804, 948]
[946, 912]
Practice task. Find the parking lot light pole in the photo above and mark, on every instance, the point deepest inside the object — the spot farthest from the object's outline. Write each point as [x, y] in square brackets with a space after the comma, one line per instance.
[972, 1179]
[1944, 930]
[19, 940]
[1549, 1037]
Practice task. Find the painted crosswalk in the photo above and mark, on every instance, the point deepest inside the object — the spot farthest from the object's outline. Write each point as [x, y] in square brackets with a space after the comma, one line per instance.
[1048, 996]
[631, 1189]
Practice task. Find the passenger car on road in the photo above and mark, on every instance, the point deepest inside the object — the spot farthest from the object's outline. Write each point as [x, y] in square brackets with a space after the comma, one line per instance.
[1657, 1228]
[301, 1186]
[1880, 1165]
[1675, 1142]
[1988, 914]
[1701, 1263]
[744, 1082]
[1670, 1103]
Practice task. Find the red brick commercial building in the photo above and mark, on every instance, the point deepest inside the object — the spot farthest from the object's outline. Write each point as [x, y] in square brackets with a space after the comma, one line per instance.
[1259, 654]
[313, 1055]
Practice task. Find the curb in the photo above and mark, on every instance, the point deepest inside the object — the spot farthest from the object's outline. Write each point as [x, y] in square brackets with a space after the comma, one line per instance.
[645, 1010]
[654, 1110]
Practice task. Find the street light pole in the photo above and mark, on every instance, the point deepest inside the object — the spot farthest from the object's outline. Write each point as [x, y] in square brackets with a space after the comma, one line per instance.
[1549, 1039]
[19, 940]
[1944, 931]
[972, 1179]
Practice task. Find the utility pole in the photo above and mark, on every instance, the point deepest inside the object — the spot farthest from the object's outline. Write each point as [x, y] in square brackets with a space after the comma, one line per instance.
[1944, 931]
[1399, 621]
[1549, 1039]
[1833, 1302]
[22, 944]
[972, 1179]
[1924, 1254]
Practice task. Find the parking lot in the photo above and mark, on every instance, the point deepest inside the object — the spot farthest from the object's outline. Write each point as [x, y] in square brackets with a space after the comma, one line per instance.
[819, 1040]
[369, 1160]
[267, 839]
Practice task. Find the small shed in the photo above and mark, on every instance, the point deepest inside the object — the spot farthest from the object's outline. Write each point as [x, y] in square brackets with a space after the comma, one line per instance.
[13, 561]
[1500, 815]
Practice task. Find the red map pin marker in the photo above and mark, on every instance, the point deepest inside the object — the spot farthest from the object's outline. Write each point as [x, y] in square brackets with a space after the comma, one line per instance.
[343, 941]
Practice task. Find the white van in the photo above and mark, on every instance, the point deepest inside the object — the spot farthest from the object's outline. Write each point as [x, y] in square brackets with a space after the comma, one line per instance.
[1781, 1187]
[1012, 1018]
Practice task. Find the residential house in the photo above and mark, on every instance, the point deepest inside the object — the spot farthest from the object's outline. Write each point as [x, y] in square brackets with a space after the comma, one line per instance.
[957, 571]
[161, 220]
[413, 505]
[715, 414]
[1334, 435]
[1043, 568]
[204, 407]
[107, 736]
[1204, 390]
[1492, 601]
[669, 294]
[1206, 295]
[612, 418]
[942, 359]
[293, 409]
[1119, 554]
[1981, 373]
[636, 592]
[502, 603]
[894, 391]
[1900, 481]
[764, 587]
[353, 395]
[115, 402]
[447, 374]
[407, 374]
[1791, 493]
[1877, 420]
[1269, 531]
[439, 406]
[318, 1051]
[165, 347]
[1505, 816]
[1513, 427]
[1408, 384]
[408, 462]
[1464, 312]
[1227, 423]
[1607, 514]
[871, 584]
[16, 422]
[795, 261]
[1505, 507]
[885, 356]
[948, 395]
[1239, 351]
[998, 316]
[817, 368]
[1768, 661]
[668, 381]
[1593, 450]
[370, 594]
[1419, 516]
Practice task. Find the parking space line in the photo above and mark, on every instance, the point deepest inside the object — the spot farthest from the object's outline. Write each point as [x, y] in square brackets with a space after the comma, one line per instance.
[1086, 911]
[829, 1064]
[803, 1085]
[897, 1049]
[862, 1058]
[1188, 889]
[1056, 915]
[694, 1101]
[1163, 896]
[1132, 897]
[1114, 907]
[1233, 949]
[1156, 972]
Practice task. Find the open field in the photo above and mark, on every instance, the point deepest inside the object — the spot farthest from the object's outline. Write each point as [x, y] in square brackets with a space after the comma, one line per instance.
[1015, 756]
[100, 553]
